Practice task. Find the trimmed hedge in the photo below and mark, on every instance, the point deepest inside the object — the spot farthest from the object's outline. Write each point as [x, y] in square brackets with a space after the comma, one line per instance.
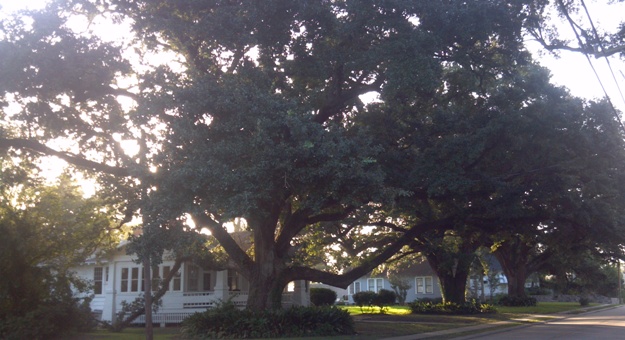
[364, 298]
[384, 297]
[469, 307]
[228, 322]
[322, 296]
[517, 301]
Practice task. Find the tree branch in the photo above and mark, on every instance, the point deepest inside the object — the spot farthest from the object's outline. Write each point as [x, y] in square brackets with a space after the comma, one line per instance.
[344, 280]
[36, 146]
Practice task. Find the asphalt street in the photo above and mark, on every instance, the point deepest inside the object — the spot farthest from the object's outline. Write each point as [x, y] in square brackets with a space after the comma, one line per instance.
[604, 324]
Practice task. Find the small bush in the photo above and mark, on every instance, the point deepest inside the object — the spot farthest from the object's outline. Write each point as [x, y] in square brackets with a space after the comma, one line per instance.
[384, 298]
[226, 321]
[431, 300]
[538, 291]
[517, 301]
[362, 299]
[584, 301]
[322, 296]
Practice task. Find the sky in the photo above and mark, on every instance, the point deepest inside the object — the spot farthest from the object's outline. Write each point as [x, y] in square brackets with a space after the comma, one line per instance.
[573, 70]
[570, 69]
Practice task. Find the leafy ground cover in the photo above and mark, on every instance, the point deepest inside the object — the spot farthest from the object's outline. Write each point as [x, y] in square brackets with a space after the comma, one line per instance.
[396, 321]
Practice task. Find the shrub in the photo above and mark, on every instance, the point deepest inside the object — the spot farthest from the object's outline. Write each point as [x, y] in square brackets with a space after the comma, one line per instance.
[226, 321]
[384, 298]
[322, 296]
[365, 298]
[55, 313]
[584, 301]
[431, 300]
[469, 307]
[517, 301]
[538, 291]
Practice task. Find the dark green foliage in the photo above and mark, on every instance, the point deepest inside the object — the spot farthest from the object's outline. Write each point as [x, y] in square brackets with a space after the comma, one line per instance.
[364, 299]
[400, 286]
[322, 296]
[516, 301]
[431, 300]
[592, 274]
[384, 298]
[469, 307]
[52, 311]
[584, 301]
[380, 299]
[226, 321]
[264, 121]
[59, 229]
[538, 291]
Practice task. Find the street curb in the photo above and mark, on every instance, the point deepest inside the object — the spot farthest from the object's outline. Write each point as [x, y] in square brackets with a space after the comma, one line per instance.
[450, 332]
[557, 316]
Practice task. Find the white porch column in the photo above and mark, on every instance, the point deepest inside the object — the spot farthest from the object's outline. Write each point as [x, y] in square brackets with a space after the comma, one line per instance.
[301, 295]
[108, 312]
[221, 285]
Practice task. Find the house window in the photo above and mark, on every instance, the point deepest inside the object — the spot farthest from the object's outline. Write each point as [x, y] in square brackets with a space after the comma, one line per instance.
[193, 278]
[130, 279]
[175, 280]
[233, 280]
[97, 280]
[134, 279]
[206, 282]
[156, 279]
[124, 283]
[375, 284]
[354, 288]
[424, 285]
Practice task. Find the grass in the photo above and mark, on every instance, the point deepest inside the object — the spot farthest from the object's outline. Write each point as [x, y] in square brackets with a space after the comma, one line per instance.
[543, 308]
[391, 310]
[395, 321]
[133, 333]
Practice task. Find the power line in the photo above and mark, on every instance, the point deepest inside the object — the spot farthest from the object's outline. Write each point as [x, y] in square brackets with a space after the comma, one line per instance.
[607, 60]
[586, 54]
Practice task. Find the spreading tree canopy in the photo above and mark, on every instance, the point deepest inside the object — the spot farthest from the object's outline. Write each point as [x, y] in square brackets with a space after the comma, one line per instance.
[257, 112]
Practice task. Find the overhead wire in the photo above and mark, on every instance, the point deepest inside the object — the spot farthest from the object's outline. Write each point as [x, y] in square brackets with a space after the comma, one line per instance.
[592, 66]
[607, 60]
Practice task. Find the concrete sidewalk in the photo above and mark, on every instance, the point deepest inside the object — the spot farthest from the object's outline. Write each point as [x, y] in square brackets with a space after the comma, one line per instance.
[514, 323]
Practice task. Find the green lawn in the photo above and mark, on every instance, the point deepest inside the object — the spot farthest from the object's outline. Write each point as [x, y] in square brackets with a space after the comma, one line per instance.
[393, 310]
[133, 333]
[371, 324]
[544, 308]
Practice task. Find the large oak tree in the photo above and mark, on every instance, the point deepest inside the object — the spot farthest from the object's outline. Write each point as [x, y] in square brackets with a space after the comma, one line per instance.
[256, 114]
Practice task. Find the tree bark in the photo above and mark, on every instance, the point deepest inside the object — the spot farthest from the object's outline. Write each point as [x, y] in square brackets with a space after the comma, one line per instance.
[513, 257]
[267, 271]
[147, 279]
[121, 324]
[516, 282]
[452, 276]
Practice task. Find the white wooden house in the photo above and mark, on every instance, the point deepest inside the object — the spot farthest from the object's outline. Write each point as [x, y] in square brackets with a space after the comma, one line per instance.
[192, 290]
[421, 278]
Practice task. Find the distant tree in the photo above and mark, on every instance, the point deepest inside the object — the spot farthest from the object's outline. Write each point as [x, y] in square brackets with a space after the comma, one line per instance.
[582, 272]
[46, 229]
[400, 285]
